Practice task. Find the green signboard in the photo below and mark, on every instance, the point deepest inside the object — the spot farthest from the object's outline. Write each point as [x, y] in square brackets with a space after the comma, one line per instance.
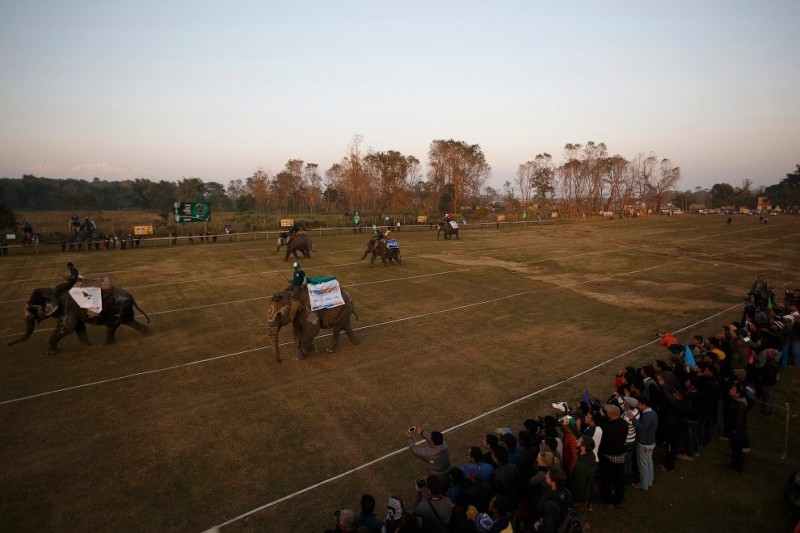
[192, 212]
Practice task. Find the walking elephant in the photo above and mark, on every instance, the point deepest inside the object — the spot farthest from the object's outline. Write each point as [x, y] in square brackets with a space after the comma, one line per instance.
[118, 306]
[301, 242]
[387, 249]
[449, 228]
[283, 309]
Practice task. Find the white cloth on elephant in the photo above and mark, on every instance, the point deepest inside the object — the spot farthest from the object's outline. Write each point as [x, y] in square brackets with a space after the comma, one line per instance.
[325, 295]
[89, 298]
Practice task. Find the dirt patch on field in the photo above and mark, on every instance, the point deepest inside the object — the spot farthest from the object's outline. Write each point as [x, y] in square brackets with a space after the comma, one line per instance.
[642, 294]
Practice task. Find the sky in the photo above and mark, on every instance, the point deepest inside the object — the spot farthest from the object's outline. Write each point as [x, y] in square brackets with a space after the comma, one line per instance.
[220, 89]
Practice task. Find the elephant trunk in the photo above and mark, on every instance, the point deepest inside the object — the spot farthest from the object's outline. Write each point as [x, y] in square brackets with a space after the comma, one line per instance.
[273, 327]
[30, 325]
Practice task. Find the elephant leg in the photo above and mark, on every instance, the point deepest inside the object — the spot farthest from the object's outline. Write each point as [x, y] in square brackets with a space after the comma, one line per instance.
[334, 340]
[111, 333]
[297, 331]
[63, 328]
[383, 259]
[372, 260]
[351, 335]
[80, 330]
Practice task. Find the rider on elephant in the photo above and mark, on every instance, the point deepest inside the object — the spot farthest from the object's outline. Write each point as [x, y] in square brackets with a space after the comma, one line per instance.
[71, 280]
[298, 280]
[377, 236]
[293, 230]
[88, 226]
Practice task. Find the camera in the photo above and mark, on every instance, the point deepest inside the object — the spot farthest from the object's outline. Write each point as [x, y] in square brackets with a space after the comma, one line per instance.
[420, 483]
[412, 429]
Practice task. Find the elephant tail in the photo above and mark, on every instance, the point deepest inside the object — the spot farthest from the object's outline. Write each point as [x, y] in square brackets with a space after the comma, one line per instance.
[354, 312]
[140, 310]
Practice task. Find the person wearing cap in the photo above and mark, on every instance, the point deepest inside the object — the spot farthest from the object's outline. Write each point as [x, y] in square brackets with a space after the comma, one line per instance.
[298, 280]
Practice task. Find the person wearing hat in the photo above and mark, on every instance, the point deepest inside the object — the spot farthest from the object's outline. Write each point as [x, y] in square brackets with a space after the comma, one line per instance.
[298, 280]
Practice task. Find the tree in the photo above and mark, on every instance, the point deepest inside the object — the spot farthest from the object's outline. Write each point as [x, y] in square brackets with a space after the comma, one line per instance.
[458, 169]
[8, 220]
[389, 172]
[787, 192]
[191, 190]
[722, 194]
[616, 171]
[668, 176]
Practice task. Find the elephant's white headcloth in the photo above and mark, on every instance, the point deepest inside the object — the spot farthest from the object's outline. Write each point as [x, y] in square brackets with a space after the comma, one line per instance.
[88, 298]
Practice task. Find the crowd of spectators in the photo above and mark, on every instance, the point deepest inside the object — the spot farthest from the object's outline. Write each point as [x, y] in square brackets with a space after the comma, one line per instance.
[561, 466]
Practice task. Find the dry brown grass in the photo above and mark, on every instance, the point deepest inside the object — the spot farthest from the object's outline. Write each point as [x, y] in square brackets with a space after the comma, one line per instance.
[196, 424]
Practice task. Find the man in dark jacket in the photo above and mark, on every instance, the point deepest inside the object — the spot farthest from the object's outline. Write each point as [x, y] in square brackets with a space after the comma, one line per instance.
[612, 457]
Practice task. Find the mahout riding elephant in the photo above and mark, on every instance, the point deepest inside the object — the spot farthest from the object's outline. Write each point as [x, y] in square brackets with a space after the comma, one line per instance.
[448, 228]
[301, 242]
[118, 306]
[386, 249]
[306, 323]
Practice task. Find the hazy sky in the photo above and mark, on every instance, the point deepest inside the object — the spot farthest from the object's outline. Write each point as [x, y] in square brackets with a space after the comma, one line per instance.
[216, 90]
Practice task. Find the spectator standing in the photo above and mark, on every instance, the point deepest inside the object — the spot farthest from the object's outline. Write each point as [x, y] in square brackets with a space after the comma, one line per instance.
[646, 426]
[612, 458]
[738, 426]
[435, 452]
[434, 509]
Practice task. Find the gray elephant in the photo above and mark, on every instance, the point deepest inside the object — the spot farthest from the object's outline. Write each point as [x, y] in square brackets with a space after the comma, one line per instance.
[118, 306]
[387, 249]
[448, 229]
[301, 242]
[283, 309]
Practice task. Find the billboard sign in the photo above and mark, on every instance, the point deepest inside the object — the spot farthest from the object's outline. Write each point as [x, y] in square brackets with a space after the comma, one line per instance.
[192, 212]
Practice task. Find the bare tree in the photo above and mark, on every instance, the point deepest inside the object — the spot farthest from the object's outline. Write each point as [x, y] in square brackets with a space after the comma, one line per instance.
[524, 181]
[668, 176]
[617, 172]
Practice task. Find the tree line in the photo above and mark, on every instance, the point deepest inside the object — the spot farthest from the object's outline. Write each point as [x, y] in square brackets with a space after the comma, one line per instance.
[587, 180]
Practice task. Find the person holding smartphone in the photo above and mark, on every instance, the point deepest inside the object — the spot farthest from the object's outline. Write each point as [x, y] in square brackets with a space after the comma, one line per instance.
[434, 452]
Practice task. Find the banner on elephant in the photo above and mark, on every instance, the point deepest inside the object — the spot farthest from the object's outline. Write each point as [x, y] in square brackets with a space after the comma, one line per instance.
[192, 212]
[324, 293]
[89, 298]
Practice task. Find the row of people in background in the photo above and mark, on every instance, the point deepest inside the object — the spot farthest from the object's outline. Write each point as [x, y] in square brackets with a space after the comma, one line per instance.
[576, 459]
[107, 242]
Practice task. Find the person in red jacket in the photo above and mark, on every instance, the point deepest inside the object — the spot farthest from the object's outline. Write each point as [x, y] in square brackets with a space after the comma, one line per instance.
[670, 342]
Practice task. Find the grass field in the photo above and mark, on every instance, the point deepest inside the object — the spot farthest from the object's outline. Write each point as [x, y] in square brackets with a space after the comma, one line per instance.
[195, 425]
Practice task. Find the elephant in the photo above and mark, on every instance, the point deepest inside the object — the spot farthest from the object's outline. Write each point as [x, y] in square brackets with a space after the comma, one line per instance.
[283, 309]
[448, 228]
[387, 249]
[300, 242]
[118, 305]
